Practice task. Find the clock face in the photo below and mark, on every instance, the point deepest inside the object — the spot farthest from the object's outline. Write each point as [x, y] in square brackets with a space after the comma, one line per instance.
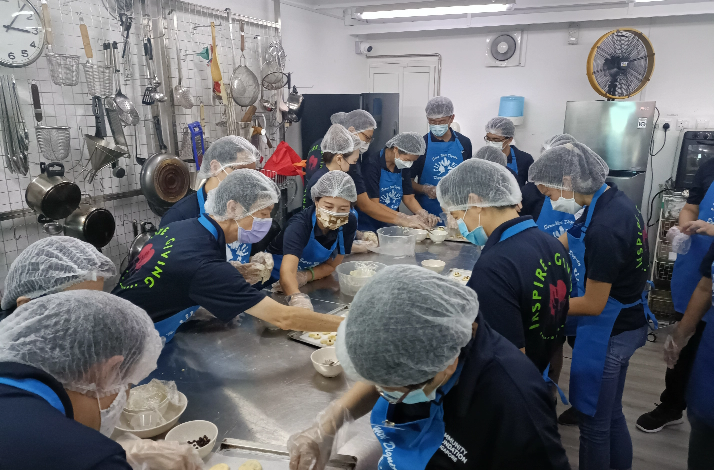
[21, 33]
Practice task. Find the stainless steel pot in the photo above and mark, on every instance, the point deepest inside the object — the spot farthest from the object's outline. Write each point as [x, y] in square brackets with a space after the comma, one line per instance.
[94, 225]
[294, 103]
[140, 238]
[51, 194]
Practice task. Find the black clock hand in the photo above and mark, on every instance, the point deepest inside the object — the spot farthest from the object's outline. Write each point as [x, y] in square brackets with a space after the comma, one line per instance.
[15, 18]
[8, 27]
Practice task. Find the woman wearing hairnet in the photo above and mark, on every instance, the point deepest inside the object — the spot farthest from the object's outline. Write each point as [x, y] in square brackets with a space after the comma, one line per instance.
[184, 264]
[55, 264]
[66, 362]
[522, 277]
[499, 134]
[316, 239]
[389, 183]
[445, 390]
[608, 311]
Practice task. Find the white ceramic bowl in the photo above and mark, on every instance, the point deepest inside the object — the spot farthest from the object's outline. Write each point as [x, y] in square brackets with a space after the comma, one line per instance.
[438, 236]
[420, 234]
[435, 265]
[192, 430]
[323, 355]
[171, 415]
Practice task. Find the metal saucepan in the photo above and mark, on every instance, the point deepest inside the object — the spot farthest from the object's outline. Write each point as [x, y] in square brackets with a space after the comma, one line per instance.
[51, 194]
[140, 238]
[93, 225]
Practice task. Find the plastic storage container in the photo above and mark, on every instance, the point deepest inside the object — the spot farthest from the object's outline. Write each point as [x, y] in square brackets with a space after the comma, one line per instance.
[349, 285]
[397, 241]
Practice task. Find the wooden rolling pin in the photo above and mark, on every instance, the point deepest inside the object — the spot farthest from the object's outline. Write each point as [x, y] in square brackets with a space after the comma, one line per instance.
[248, 116]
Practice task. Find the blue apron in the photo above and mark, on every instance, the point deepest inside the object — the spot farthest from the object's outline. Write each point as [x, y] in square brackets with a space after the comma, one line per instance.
[314, 253]
[686, 276]
[554, 222]
[167, 327]
[513, 165]
[593, 332]
[390, 195]
[410, 446]
[234, 251]
[441, 157]
[38, 388]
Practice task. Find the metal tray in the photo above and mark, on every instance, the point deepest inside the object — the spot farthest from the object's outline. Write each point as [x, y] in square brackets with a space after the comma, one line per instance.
[457, 239]
[302, 336]
[235, 452]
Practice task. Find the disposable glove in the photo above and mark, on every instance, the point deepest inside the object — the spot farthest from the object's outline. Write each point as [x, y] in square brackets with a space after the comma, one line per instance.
[311, 449]
[429, 190]
[411, 221]
[251, 272]
[673, 346]
[145, 454]
[300, 300]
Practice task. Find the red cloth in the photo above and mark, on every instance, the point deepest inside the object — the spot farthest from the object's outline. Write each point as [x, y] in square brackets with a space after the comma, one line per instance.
[285, 161]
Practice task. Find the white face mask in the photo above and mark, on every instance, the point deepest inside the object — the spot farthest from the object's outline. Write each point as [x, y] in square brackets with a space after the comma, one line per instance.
[568, 206]
[497, 145]
[109, 418]
[363, 147]
[402, 164]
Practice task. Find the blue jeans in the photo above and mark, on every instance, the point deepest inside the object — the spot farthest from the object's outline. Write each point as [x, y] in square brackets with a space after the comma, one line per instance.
[604, 439]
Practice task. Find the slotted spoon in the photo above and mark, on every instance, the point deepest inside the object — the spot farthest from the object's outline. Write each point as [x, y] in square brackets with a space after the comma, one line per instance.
[182, 95]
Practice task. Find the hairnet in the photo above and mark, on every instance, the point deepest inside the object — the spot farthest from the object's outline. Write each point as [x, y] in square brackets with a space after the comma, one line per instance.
[337, 140]
[439, 107]
[557, 139]
[339, 118]
[492, 184]
[356, 141]
[405, 325]
[250, 189]
[70, 333]
[585, 169]
[51, 265]
[335, 184]
[408, 142]
[229, 151]
[491, 154]
[501, 126]
[359, 119]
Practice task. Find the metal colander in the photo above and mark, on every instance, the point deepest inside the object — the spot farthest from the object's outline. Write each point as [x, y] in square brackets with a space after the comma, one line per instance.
[64, 69]
[100, 79]
[53, 142]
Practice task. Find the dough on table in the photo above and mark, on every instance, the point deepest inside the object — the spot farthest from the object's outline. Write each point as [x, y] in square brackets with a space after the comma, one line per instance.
[221, 466]
[251, 465]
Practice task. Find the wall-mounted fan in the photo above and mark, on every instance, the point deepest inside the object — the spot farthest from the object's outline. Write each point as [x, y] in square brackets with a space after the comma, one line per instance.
[621, 63]
[506, 49]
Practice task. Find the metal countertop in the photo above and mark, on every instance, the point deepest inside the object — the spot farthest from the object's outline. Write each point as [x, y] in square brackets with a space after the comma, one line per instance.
[255, 384]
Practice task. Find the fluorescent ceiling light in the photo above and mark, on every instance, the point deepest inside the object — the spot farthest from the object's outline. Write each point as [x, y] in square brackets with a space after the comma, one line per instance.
[435, 11]
[646, 1]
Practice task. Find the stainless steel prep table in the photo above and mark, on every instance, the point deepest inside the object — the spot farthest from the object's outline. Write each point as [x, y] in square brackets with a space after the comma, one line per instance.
[257, 385]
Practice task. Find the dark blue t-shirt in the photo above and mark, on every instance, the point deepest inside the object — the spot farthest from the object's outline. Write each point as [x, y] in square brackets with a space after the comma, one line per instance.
[181, 266]
[372, 167]
[314, 163]
[523, 287]
[532, 200]
[524, 161]
[418, 166]
[35, 435]
[186, 208]
[295, 237]
[307, 196]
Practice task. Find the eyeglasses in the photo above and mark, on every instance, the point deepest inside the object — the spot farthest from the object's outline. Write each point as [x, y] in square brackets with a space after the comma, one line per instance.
[369, 138]
[502, 139]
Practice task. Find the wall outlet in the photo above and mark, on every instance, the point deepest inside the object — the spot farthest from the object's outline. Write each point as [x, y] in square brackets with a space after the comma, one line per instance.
[667, 120]
[682, 124]
[702, 123]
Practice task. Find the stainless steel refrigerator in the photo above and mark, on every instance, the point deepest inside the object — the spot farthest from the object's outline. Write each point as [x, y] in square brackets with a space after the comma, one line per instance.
[620, 132]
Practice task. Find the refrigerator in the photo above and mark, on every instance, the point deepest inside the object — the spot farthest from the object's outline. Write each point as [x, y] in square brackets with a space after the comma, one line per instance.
[620, 132]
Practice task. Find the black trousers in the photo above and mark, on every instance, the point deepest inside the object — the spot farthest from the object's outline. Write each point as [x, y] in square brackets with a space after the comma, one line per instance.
[673, 396]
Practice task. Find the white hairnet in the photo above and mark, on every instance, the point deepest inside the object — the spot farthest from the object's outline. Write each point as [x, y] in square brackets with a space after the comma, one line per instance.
[337, 140]
[51, 265]
[70, 335]
[405, 325]
[250, 189]
[408, 142]
[491, 154]
[229, 151]
[439, 107]
[356, 141]
[491, 183]
[584, 169]
[501, 126]
[339, 118]
[359, 119]
[557, 139]
[335, 184]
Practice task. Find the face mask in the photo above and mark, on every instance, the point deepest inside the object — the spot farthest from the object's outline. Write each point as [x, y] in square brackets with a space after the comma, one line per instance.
[402, 164]
[438, 129]
[332, 220]
[568, 206]
[363, 147]
[477, 236]
[414, 397]
[109, 418]
[497, 145]
[256, 233]
[344, 162]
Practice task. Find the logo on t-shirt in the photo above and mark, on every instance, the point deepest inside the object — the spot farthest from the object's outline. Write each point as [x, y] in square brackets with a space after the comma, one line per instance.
[547, 283]
[391, 196]
[312, 162]
[444, 166]
[558, 293]
[453, 449]
[144, 256]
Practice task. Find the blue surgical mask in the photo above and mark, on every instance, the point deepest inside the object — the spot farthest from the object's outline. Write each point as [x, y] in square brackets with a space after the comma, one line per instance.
[414, 397]
[477, 236]
[438, 129]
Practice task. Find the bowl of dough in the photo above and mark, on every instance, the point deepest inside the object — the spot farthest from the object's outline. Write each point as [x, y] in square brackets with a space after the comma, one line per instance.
[355, 274]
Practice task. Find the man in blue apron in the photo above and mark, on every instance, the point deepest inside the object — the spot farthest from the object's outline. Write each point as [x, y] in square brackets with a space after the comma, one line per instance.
[183, 266]
[698, 210]
[499, 134]
[388, 181]
[54, 264]
[63, 383]
[522, 277]
[445, 149]
[608, 310]
[316, 239]
[446, 391]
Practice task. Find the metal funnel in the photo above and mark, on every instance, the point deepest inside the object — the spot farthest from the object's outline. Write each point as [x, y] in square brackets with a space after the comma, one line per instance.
[101, 153]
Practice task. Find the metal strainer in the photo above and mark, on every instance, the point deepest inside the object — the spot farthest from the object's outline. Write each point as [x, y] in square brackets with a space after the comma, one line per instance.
[127, 111]
[273, 76]
[53, 142]
[64, 68]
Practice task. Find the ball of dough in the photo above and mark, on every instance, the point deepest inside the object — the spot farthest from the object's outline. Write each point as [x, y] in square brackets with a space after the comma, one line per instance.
[329, 342]
[251, 465]
[315, 335]
[221, 466]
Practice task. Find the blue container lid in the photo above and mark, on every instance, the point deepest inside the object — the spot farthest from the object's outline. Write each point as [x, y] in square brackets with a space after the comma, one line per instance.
[511, 106]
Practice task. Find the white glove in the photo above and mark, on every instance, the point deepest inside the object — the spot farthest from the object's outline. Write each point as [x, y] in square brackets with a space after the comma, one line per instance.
[679, 241]
[303, 277]
[429, 190]
[430, 219]
[251, 272]
[266, 259]
[311, 449]
[362, 246]
[673, 346]
[300, 300]
[367, 236]
[411, 221]
[145, 454]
